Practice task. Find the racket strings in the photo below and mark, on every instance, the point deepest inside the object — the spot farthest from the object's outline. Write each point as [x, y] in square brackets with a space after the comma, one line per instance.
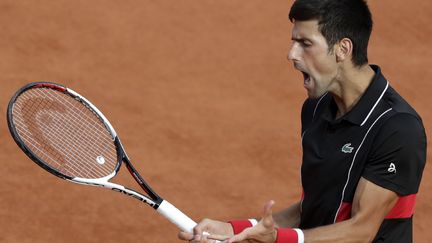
[69, 138]
[89, 139]
[60, 163]
[65, 133]
[53, 153]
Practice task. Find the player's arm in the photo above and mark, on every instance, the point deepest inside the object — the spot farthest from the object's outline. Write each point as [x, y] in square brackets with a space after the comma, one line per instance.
[289, 217]
[370, 206]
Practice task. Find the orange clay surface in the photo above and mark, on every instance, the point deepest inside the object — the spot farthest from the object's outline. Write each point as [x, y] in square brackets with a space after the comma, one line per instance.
[203, 98]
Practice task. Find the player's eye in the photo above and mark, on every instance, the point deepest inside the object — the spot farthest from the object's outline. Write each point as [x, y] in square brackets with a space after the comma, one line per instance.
[305, 43]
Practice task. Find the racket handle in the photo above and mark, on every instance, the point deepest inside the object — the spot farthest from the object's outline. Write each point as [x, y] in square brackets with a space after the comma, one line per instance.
[177, 217]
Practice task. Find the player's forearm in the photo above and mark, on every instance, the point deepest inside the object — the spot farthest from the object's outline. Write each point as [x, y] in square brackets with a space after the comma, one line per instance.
[371, 204]
[289, 217]
[352, 230]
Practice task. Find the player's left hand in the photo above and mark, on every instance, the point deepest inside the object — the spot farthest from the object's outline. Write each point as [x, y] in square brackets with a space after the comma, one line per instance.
[264, 231]
[201, 233]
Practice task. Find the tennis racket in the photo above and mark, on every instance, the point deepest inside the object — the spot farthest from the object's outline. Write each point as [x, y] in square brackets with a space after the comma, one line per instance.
[69, 137]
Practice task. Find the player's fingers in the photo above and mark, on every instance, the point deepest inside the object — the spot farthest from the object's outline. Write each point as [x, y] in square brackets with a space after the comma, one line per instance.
[203, 239]
[268, 207]
[199, 238]
[218, 237]
[202, 227]
[197, 230]
[185, 236]
[268, 221]
[239, 237]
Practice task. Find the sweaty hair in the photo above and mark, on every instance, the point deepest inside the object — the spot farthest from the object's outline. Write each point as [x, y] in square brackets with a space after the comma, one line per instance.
[338, 19]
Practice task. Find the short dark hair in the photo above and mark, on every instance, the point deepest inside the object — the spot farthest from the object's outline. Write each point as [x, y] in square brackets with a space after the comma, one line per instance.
[338, 19]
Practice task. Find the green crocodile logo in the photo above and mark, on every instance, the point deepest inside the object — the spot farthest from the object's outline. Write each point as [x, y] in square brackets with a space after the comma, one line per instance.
[347, 148]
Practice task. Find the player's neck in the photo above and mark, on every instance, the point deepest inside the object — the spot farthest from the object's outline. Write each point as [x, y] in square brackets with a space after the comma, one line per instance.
[353, 84]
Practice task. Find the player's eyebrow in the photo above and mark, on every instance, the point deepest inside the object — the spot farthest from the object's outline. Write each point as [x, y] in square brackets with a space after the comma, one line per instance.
[300, 39]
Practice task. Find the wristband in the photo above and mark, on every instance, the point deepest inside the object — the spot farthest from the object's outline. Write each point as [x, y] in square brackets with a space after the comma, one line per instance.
[240, 225]
[253, 222]
[288, 235]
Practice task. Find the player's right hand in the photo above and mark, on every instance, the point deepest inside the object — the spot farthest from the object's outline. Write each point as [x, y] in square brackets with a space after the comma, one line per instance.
[207, 231]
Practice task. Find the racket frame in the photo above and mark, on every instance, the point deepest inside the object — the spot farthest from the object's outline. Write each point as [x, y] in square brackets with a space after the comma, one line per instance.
[162, 206]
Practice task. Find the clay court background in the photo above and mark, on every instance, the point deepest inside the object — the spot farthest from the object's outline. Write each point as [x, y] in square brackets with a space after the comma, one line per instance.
[201, 94]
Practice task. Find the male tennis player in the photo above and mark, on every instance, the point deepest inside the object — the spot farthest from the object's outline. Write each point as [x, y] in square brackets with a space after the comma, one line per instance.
[364, 146]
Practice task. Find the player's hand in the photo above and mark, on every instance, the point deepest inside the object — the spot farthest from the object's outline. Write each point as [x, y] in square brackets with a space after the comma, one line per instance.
[264, 231]
[207, 231]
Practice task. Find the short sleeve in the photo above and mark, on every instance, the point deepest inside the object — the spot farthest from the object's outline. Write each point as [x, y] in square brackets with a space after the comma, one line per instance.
[398, 155]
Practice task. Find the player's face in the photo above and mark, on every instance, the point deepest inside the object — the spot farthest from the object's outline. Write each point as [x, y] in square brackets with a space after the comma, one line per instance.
[310, 55]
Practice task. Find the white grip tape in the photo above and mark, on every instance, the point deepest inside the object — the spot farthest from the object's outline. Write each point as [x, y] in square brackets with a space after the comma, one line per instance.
[176, 216]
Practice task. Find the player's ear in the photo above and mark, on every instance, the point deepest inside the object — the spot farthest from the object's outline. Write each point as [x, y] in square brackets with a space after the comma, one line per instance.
[343, 49]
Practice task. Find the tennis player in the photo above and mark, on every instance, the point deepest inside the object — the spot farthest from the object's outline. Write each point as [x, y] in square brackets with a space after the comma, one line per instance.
[364, 146]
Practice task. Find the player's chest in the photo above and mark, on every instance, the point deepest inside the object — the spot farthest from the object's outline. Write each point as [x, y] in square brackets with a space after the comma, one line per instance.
[328, 149]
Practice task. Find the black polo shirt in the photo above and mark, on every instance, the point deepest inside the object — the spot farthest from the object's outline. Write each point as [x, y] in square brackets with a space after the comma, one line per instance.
[381, 139]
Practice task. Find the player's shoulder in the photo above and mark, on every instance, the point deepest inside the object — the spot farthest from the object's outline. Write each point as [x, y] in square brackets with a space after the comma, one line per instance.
[405, 124]
[401, 111]
[401, 117]
[398, 104]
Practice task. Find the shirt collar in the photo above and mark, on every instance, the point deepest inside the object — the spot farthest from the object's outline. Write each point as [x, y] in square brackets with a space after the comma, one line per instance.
[360, 113]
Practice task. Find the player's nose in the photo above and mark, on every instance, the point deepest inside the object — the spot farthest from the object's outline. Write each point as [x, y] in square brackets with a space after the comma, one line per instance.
[293, 53]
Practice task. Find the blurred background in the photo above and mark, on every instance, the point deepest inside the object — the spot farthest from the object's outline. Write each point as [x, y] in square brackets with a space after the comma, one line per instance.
[202, 96]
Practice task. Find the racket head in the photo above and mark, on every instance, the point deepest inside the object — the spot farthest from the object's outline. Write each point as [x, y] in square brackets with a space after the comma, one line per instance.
[63, 132]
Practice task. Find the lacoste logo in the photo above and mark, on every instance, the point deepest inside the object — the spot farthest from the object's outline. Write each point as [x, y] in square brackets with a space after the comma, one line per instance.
[347, 148]
[392, 168]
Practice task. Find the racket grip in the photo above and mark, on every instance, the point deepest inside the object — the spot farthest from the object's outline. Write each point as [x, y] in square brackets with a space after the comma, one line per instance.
[176, 216]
